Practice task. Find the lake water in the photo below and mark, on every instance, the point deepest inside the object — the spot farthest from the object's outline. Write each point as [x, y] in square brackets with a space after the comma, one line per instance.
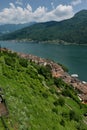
[74, 57]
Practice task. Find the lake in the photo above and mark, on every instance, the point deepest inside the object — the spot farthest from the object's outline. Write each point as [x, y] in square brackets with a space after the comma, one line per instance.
[74, 57]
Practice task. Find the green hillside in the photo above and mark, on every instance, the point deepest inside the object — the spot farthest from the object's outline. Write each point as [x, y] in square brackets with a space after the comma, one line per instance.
[35, 100]
[73, 30]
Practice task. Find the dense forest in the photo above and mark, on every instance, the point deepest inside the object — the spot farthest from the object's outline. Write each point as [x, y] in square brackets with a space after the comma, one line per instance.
[35, 100]
[73, 30]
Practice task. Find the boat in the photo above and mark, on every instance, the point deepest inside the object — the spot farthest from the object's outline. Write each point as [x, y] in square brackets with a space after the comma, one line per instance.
[75, 75]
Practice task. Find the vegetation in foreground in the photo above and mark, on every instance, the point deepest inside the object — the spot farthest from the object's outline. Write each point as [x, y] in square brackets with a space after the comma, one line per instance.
[35, 100]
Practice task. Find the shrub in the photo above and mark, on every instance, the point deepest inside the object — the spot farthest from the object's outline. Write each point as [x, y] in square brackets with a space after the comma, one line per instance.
[67, 93]
[52, 90]
[62, 122]
[32, 72]
[45, 95]
[80, 126]
[55, 110]
[10, 61]
[23, 62]
[65, 115]
[59, 101]
[56, 103]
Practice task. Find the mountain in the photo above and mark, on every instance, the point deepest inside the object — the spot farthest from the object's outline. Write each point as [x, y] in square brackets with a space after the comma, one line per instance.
[7, 28]
[73, 30]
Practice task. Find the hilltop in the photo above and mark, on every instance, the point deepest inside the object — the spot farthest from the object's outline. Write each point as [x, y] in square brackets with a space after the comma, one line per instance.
[35, 99]
[73, 30]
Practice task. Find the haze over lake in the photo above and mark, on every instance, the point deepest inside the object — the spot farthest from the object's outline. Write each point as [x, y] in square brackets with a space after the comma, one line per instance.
[74, 57]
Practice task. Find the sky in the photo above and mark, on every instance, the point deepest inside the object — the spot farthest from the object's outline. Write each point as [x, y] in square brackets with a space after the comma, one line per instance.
[25, 11]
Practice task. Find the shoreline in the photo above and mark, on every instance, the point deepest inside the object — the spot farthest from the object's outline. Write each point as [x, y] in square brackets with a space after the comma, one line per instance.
[68, 64]
[60, 42]
[58, 72]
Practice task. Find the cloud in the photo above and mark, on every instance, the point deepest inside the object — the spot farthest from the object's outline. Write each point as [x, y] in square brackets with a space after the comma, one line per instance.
[52, 4]
[61, 12]
[76, 2]
[17, 14]
[19, 2]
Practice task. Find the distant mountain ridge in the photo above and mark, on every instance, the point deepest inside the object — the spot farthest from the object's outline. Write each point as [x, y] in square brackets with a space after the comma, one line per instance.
[7, 28]
[73, 30]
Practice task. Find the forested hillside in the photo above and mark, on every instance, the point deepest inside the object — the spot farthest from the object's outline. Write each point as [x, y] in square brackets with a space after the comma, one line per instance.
[73, 30]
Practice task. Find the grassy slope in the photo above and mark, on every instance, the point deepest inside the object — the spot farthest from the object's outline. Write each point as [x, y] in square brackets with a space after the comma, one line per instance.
[30, 98]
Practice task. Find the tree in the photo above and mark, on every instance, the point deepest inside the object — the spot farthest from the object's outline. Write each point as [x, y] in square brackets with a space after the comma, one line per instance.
[59, 82]
[45, 72]
[23, 62]
[61, 101]
[73, 116]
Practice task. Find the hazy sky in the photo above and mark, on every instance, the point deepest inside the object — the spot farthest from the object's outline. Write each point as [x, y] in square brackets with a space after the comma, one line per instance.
[22, 11]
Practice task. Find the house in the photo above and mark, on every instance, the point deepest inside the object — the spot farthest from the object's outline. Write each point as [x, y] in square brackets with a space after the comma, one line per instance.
[84, 98]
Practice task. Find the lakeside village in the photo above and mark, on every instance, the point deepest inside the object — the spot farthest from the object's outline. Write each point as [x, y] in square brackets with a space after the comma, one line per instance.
[58, 72]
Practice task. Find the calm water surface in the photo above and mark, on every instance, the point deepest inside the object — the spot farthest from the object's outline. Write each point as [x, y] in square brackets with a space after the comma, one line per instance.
[72, 56]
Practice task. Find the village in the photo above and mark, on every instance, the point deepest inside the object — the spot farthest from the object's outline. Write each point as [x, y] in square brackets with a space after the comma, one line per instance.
[57, 71]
